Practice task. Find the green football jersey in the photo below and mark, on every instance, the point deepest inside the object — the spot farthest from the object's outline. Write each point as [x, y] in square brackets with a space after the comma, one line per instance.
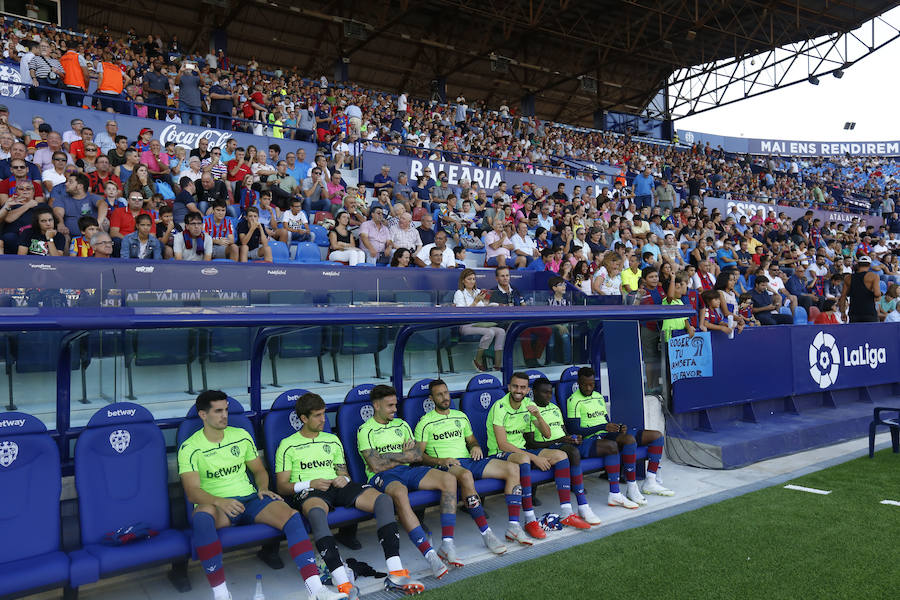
[222, 465]
[515, 421]
[553, 417]
[444, 435]
[589, 410]
[389, 437]
[309, 458]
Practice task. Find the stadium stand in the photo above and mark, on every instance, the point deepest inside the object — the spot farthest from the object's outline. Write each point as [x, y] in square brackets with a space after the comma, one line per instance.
[780, 240]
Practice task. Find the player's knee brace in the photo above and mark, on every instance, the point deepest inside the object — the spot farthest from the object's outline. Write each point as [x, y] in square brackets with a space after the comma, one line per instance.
[517, 490]
[384, 510]
[473, 501]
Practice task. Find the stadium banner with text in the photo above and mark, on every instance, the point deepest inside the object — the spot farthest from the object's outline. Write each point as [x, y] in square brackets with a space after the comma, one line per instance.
[840, 356]
[59, 116]
[791, 147]
[485, 177]
[763, 363]
[80, 273]
[690, 356]
[749, 209]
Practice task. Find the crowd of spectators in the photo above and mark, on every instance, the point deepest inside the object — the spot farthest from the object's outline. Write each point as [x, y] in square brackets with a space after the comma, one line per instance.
[160, 80]
[71, 191]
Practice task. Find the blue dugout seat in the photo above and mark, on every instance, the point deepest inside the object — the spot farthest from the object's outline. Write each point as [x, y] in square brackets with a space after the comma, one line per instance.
[231, 537]
[282, 422]
[37, 352]
[30, 555]
[355, 410]
[121, 476]
[309, 343]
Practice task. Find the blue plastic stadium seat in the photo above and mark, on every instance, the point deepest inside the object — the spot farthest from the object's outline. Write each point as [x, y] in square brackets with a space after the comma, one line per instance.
[308, 252]
[280, 252]
[282, 422]
[231, 537]
[155, 347]
[800, 317]
[322, 240]
[30, 557]
[121, 475]
[356, 339]
[355, 410]
[37, 352]
[309, 343]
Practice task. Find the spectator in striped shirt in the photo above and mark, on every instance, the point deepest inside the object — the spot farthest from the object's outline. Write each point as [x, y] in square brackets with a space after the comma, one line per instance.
[221, 230]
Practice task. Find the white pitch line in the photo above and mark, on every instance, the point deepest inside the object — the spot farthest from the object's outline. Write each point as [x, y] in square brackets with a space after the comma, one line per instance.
[800, 488]
[891, 502]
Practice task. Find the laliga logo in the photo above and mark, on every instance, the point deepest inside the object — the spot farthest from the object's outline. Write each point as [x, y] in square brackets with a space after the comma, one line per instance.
[825, 360]
[216, 138]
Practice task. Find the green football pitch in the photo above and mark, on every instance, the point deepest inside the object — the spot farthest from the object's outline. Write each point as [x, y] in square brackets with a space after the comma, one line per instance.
[771, 543]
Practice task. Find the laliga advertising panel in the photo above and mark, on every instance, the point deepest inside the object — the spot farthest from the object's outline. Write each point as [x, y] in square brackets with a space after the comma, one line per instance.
[841, 356]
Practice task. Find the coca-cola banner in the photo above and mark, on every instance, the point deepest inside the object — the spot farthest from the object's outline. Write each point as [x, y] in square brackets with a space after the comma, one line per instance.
[749, 209]
[59, 117]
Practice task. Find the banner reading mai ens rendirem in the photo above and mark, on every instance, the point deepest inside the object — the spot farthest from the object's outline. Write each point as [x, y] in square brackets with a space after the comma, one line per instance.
[791, 147]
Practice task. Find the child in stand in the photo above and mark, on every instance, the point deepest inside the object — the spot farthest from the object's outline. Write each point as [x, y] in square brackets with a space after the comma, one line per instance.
[677, 289]
[745, 309]
[711, 317]
[81, 245]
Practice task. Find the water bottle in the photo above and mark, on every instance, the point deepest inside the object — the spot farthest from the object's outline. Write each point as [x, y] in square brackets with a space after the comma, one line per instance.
[258, 594]
[731, 324]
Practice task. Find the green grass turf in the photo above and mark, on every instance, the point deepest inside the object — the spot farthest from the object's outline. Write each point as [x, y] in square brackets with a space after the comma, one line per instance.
[772, 543]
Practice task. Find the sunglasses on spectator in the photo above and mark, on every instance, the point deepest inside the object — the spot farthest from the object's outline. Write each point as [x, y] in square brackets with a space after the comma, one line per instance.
[17, 166]
[141, 198]
[59, 158]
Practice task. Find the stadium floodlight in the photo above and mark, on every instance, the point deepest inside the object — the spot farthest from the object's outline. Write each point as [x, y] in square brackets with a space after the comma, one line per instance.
[849, 125]
[814, 80]
[838, 74]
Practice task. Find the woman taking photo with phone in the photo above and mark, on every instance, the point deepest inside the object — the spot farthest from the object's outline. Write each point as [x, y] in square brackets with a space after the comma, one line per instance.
[469, 295]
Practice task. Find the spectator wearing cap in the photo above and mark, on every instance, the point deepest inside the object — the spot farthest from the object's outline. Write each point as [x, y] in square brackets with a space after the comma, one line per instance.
[145, 136]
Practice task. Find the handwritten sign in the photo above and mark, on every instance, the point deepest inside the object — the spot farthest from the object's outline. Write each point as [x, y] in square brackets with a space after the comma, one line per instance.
[690, 357]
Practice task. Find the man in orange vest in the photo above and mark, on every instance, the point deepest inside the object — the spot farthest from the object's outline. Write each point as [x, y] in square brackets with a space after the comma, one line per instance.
[75, 82]
[112, 83]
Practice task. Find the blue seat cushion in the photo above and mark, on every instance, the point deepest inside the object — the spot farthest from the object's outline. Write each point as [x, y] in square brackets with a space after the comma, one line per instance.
[41, 571]
[489, 485]
[245, 535]
[169, 544]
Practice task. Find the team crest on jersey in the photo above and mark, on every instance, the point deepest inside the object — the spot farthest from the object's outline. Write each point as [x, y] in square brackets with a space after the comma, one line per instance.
[428, 405]
[458, 423]
[574, 387]
[398, 432]
[327, 448]
[8, 453]
[235, 451]
[120, 439]
[367, 412]
[485, 399]
[296, 423]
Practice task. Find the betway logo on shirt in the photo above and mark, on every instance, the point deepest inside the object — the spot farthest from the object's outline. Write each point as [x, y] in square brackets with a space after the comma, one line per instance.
[596, 414]
[224, 472]
[12, 423]
[446, 435]
[173, 133]
[389, 448]
[121, 412]
[315, 464]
